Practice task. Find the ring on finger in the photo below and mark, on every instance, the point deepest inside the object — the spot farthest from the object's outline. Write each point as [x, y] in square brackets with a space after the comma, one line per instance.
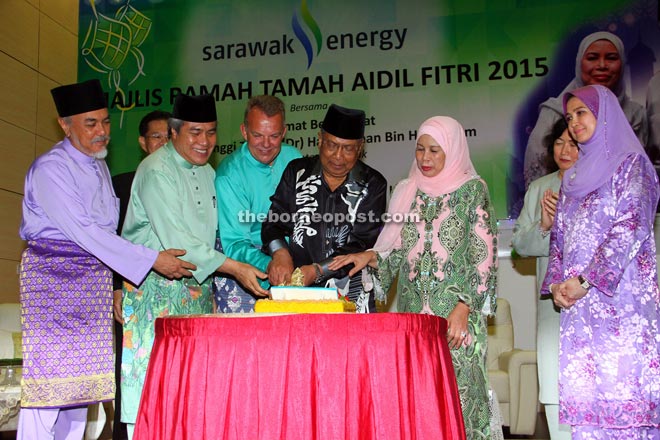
[463, 334]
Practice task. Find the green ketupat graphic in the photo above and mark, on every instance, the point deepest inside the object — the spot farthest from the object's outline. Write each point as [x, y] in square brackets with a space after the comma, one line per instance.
[110, 42]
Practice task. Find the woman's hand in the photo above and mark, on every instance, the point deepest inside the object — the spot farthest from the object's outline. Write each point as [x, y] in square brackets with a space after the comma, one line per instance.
[548, 209]
[457, 326]
[567, 293]
[359, 259]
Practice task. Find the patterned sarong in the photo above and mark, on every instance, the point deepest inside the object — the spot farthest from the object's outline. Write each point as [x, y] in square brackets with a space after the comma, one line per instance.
[66, 314]
[229, 296]
[154, 298]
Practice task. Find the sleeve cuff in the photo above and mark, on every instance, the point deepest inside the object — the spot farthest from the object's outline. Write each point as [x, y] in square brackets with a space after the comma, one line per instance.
[469, 306]
[327, 272]
[276, 245]
[324, 267]
[544, 234]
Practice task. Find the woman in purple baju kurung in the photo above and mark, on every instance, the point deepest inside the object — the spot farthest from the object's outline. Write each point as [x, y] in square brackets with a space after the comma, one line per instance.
[602, 273]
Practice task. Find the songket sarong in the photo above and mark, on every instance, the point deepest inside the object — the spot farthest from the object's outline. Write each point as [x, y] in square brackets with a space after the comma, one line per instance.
[66, 314]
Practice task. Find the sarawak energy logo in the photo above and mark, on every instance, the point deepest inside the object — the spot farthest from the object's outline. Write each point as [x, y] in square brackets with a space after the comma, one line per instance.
[302, 36]
[308, 33]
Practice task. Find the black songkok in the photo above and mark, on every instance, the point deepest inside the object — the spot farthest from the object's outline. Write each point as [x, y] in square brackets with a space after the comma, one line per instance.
[195, 108]
[73, 99]
[345, 123]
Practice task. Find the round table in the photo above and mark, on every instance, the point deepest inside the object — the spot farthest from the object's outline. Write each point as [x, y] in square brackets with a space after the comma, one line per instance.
[304, 376]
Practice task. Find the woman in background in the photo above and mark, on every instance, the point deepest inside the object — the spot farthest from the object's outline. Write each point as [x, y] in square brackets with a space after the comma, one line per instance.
[602, 273]
[601, 59]
[446, 261]
[531, 237]
[653, 115]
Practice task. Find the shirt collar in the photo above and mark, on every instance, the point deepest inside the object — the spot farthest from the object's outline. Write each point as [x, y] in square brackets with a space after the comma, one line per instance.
[357, 173]
[76, 154]
[178, 159]
[245, 152]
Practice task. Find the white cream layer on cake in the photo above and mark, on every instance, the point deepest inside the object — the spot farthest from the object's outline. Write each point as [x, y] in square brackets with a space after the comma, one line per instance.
[295, 299]
[283, 293]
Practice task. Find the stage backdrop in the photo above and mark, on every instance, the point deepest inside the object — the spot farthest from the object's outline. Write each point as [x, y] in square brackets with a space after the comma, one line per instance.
[486, 63]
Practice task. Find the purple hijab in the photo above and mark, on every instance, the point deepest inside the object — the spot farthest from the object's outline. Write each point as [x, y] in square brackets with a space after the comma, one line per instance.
[612, 142]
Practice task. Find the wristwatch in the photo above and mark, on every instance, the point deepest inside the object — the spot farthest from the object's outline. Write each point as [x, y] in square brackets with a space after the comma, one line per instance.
[583, 282]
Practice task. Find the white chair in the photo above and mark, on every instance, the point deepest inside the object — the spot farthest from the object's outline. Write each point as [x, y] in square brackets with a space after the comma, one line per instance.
[10, 329]
[10, 325]
[512, 373]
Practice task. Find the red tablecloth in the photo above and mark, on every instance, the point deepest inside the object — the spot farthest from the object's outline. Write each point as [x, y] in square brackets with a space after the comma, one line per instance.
[309, 376]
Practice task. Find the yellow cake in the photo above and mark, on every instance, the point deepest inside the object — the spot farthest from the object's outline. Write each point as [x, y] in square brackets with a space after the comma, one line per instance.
[300, 299]
[304, 306]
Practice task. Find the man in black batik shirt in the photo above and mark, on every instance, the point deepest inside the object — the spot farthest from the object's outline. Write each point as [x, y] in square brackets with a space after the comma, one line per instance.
[326, 205]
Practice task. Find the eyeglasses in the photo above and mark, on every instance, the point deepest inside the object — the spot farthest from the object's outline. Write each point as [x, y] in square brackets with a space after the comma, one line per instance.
[332, 147]
[158, 136]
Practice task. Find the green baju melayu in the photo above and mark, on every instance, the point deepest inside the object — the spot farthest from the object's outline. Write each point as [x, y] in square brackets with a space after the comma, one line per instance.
[172, 205]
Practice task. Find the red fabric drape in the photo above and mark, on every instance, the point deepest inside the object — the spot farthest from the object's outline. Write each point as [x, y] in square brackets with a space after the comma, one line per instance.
[306, 376]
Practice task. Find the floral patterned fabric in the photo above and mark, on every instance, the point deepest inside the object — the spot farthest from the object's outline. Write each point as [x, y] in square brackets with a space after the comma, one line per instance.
[609, 356]
[230, 297]
[156, 297]
[596, 433]
[451, 255]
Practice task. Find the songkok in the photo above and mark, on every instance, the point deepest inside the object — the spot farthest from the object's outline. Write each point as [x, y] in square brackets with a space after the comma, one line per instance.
[586, 94]
[345, 123]
[73, 99]
[194, 108]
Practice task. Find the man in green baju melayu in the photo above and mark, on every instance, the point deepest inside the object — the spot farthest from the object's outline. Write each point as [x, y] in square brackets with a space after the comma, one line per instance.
[173, 200]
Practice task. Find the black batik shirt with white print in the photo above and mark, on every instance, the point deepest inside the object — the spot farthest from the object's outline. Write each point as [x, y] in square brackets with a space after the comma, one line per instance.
[320, 224]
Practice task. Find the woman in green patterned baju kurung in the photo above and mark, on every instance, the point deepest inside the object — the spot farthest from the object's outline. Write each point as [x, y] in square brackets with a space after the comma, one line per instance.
[445, 256]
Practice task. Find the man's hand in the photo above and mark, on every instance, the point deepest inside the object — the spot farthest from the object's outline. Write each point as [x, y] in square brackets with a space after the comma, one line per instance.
[245, 274]
[168, 265]
[309, 274]
[116, 306]
[280, 268]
